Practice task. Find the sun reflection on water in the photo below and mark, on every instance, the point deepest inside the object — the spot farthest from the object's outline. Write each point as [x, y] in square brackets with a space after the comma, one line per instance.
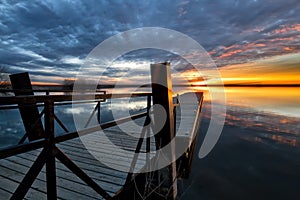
[271, 113]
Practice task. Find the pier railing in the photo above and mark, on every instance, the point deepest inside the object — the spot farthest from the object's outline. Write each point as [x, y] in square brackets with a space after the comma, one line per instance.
[49, 102]
[161, 94]
[48, 143]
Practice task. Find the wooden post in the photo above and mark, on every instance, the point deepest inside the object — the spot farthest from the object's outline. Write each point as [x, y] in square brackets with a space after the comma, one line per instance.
[29, 112]
[98, 113]
[50, 162]
[162, 95]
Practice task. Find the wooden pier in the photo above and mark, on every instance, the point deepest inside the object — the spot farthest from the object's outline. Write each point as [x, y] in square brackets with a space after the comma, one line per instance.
[69, 171]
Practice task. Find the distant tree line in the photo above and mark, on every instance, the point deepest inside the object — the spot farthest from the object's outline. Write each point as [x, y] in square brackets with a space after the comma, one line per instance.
[68, 84]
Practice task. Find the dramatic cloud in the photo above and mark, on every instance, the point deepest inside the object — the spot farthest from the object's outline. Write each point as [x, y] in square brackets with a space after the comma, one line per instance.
[52, 38]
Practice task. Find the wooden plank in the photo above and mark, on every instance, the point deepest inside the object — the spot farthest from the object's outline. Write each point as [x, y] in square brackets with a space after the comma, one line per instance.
[123, 142]
[113, 161]
[5, 194]
[62, 183]
[98, 167]
[190, 109]
[66, 189]
[106, 149]
[108, 153]
[189, 102]
[99, 146]
[64, 173]
[10, 185]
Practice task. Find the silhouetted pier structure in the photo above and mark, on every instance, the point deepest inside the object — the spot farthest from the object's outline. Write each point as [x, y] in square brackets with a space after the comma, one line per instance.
[60, 167]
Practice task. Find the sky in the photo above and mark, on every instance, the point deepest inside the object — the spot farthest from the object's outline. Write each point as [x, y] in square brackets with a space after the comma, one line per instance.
[251, 41]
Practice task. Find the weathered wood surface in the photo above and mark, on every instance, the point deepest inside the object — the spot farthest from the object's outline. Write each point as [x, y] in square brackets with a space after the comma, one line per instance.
[188, 116]
[13, 169]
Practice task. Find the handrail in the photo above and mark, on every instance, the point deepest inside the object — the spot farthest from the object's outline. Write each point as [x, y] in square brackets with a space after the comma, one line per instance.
[22, 148]
[14, 106]
[60, 98]
[48, 90]
[9, 103]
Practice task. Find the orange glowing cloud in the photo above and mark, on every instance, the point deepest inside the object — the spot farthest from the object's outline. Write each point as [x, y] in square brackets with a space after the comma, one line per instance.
[284, 39]
[230, 53]
[260, 45]
[236, 49]
[285, 29]
[288, 48]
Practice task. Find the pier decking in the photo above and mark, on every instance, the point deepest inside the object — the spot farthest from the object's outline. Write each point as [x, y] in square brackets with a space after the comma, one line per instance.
[13, 169]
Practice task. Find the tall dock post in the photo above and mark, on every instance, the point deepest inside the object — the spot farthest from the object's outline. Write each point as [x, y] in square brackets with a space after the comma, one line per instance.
[33, 125]
[162, 95]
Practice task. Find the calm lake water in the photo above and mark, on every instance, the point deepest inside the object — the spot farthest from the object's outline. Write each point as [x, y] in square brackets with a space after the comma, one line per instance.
[266, 108]
[257, 155]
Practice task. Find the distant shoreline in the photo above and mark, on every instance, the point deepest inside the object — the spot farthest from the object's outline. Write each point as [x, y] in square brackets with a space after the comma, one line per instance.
[175, 85]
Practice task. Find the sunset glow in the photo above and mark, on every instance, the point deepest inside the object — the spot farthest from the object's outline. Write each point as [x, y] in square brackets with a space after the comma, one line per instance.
[277, 70]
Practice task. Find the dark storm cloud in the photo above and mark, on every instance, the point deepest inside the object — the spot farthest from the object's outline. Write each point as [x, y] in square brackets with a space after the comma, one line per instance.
[57, 35]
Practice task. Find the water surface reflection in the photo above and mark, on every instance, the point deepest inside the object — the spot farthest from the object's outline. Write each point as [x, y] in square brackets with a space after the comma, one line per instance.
[257, 155]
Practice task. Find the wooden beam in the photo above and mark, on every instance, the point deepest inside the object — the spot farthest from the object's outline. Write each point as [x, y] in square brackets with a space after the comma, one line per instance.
[29, 111]
[162, 95]
[50, 162]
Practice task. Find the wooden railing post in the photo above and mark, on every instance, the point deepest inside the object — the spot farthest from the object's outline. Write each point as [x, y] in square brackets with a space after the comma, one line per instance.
[50, 162]
[162, 95]
[29, 111]
[98, 113]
